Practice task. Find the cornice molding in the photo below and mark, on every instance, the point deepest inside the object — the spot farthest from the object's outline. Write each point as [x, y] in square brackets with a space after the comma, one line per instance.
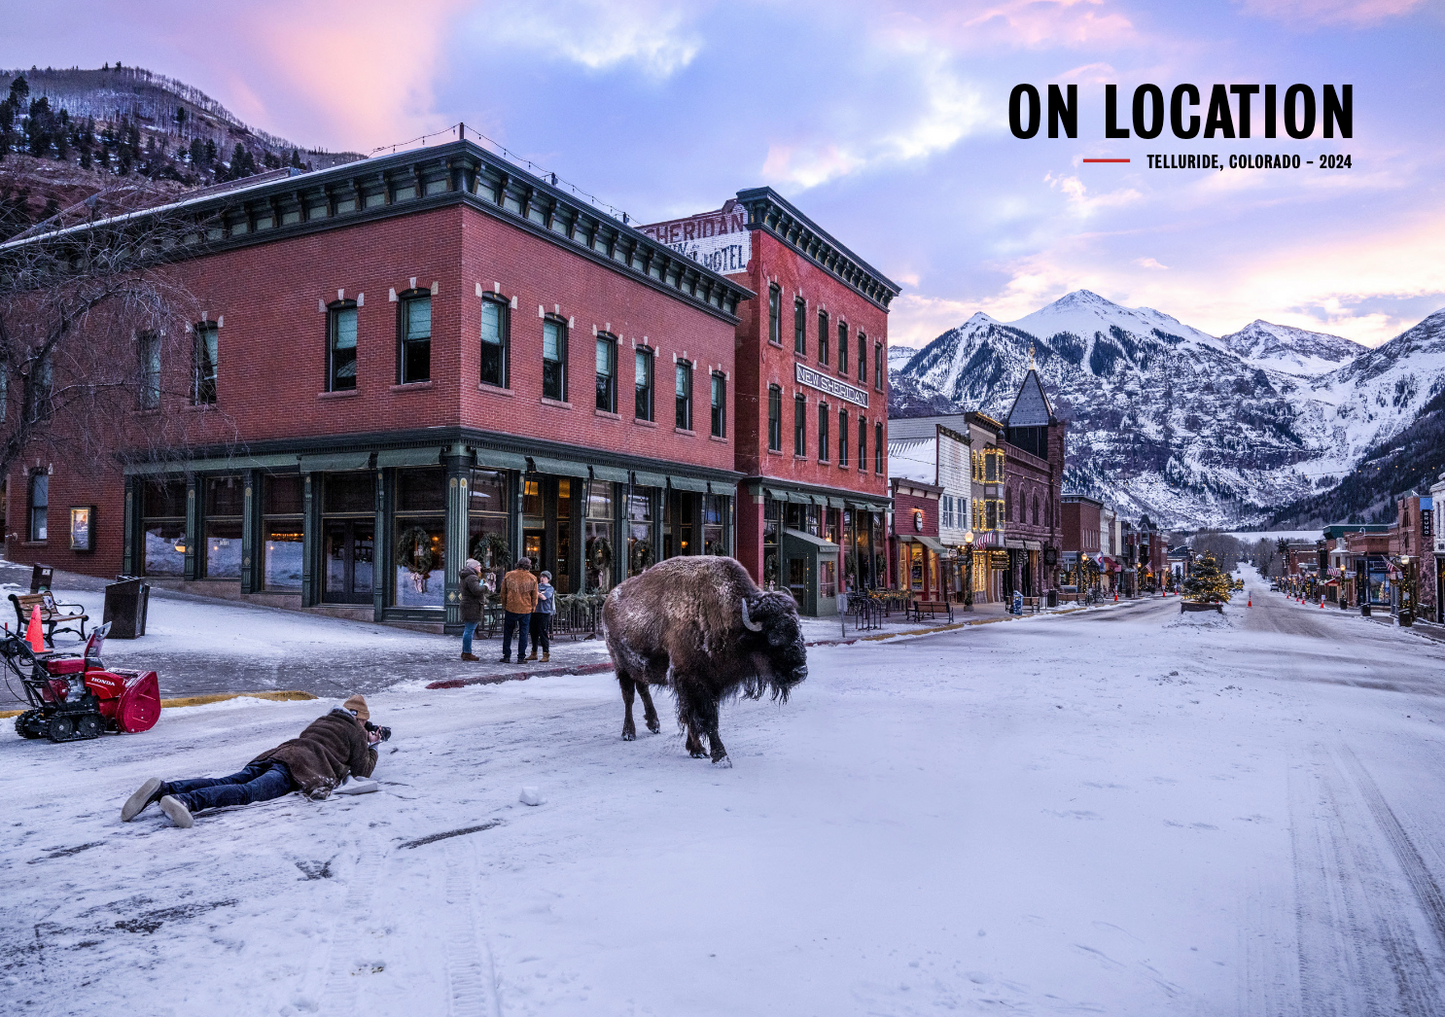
[769, 211]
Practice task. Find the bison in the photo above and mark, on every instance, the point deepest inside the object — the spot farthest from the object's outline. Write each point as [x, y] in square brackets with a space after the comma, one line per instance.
[700, 625]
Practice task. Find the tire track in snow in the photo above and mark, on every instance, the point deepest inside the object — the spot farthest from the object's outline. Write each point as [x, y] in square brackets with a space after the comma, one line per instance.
[339, 992]
[471, 974]
[1358, 953]
[1427, 890]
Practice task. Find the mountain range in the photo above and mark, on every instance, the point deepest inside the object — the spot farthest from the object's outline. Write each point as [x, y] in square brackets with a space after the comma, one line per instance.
[1257, 426]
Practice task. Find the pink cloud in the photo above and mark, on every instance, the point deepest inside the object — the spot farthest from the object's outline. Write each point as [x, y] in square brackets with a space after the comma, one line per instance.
[1330, 12]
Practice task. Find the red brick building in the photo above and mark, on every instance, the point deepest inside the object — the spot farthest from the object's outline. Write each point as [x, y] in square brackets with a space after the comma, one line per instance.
[1033, 491]
[918, 553]
[1080, 533]
[811, 395]
[407, 361]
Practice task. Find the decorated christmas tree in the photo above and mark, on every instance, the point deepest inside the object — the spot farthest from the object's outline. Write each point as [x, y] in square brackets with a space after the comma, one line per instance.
[1207, 582]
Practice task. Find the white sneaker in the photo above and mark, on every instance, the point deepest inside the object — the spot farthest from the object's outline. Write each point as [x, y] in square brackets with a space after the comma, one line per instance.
[178, 813]
[140, 801]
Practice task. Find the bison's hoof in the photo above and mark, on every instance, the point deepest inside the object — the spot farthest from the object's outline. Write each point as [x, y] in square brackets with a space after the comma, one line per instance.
[628, 734]
[724, 762]
[654, 726]
[699, 754]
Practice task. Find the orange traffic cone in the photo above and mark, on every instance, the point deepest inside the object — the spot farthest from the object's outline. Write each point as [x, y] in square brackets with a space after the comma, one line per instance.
[34, 633]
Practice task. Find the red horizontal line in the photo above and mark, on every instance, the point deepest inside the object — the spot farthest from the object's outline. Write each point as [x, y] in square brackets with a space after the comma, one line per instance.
[1106, 160]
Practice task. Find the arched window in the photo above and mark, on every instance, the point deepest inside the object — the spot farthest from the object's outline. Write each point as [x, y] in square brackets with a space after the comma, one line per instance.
[1036, 510]
[1008, 504]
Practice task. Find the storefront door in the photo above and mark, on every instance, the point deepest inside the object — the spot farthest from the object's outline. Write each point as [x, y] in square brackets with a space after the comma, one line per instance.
[533, 544]
[350, 571]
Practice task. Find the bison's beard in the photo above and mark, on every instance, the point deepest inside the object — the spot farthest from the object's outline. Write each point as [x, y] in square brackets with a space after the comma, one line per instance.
[764, 679]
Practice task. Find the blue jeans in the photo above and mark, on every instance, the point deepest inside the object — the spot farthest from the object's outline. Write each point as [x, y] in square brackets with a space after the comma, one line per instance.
[258, 782]
[518, 623]
[468, 630]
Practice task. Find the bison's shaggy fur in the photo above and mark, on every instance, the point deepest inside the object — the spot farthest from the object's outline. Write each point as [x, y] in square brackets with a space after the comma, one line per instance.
[701, 626]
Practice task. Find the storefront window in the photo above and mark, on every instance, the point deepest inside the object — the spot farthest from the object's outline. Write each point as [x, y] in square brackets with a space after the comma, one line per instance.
[827, 579]
[914, 554]
[225, 501]
[639, 531]
[487, 539]
[772, 525]
[419, 558]
[165, 528]
[714, 521]
[599, 536]
[281, 512]
[563, 577]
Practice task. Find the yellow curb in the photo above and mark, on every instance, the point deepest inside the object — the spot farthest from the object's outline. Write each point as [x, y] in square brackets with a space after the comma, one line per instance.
[286, 695]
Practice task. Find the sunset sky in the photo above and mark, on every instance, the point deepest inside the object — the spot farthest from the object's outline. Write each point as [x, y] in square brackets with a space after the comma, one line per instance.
[886, 122]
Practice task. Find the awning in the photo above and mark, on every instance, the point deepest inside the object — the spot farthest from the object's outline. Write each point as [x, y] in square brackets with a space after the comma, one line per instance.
[1033, 545]
[1013, 545]
[490, 458]
[823, 546]
[776, 494]
[615, 474]
[559, 467]
[408, 457]
[933, 544]
[689, 484]
[641, 479]
[835, 502]
[335, 462]
[283, 461]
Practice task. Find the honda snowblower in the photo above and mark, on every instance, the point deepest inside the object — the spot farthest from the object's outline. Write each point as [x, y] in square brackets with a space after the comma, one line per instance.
[75, 696]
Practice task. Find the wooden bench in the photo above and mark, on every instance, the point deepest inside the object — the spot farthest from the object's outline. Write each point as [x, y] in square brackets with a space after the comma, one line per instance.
[1033, 604]
[933, 608]
[53, 615]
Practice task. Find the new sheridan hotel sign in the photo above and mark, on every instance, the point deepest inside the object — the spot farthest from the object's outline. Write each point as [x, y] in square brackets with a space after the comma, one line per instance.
[833, 386]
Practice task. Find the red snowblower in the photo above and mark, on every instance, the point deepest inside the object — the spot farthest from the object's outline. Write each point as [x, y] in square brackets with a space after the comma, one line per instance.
[75, 696]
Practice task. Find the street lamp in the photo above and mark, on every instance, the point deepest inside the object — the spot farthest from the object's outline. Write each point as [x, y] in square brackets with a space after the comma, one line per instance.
[1406, 615]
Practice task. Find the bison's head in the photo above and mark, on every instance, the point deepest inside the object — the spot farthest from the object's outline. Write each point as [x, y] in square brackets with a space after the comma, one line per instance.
[776, 642]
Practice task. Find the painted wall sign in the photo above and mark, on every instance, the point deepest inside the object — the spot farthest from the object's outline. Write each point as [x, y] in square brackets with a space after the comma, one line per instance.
[718, 240]
[833, 386]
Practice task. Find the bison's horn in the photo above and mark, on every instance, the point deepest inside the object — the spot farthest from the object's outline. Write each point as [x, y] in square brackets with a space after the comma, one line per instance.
[748, 623]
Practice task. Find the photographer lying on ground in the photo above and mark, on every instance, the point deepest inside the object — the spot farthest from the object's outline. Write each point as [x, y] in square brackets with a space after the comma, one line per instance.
[331, 748]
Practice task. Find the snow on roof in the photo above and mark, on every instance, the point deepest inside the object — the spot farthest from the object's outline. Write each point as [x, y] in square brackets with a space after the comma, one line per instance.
[914, 459]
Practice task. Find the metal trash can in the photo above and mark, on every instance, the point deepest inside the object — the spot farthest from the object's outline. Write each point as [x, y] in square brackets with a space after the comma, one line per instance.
[126, 601]
[1053, 598]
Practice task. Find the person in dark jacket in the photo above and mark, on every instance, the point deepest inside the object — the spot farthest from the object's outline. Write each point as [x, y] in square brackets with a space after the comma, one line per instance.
[541, 624]
[474, 602]
[332, 748]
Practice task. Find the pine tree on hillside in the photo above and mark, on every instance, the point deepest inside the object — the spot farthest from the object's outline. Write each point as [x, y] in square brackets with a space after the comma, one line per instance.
[1207, 582]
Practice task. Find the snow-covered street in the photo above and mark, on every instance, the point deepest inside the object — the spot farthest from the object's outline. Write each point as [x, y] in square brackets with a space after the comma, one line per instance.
[1113, 811]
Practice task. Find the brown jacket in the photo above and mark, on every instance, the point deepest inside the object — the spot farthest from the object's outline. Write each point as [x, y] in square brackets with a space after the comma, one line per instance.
[331, 748]
[519, 592]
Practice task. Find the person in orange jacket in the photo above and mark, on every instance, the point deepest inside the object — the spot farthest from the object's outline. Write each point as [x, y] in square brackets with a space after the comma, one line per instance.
[519, 600]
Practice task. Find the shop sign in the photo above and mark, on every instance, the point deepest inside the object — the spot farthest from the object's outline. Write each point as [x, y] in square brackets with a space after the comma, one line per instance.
[833, 386]
[720, 241]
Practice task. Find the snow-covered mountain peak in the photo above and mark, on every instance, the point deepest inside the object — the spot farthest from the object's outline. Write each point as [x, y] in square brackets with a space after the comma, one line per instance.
[1290, 350]
[1083, 313]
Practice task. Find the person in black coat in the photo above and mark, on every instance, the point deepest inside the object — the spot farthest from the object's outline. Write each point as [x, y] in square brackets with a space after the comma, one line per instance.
[473, 603]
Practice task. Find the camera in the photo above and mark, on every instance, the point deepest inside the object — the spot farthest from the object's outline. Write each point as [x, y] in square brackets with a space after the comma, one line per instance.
[384, 732]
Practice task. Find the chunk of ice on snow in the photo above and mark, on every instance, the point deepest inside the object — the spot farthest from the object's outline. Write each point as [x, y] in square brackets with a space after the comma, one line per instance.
[531, 796]
[358, 786]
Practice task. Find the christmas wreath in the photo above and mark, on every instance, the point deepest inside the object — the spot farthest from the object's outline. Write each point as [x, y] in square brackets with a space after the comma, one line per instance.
[641, 557]
[492, 550]
[414, 553]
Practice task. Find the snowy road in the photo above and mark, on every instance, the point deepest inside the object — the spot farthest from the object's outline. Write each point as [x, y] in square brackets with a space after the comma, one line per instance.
[1107, 812]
